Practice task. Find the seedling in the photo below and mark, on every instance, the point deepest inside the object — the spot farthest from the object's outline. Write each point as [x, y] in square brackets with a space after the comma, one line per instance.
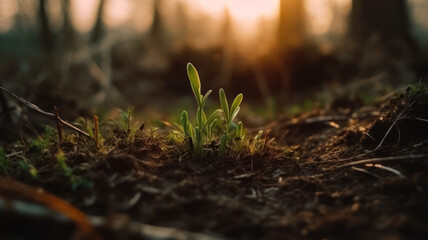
[202, 133]
[67, 172]
[259, 144]
[240, 134]
[229, 115]
[62, 165]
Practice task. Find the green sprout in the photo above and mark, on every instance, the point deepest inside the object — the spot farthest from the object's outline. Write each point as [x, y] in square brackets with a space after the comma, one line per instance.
[62, 165]
[229, 115]
[259, 144]
[202, 133]
[240, 134]
[67, 172]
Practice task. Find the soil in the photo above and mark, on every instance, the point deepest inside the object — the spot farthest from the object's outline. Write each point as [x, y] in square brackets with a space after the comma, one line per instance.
[302, 186]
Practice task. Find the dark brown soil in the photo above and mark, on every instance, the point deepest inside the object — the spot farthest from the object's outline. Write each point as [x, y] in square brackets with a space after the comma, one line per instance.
[302, 191]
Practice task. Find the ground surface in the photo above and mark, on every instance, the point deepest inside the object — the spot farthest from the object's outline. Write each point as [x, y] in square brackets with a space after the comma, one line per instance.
[298, 188]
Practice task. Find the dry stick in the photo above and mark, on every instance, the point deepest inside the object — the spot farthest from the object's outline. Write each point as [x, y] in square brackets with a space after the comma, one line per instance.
[58, 125]
[365, 171]
[96, 129]
[383, 159]
[48, 114]
[389, 169]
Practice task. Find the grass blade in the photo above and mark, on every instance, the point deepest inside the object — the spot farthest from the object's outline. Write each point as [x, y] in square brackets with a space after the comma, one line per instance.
[184, 122]
[234, 114]
[211, 118]
[235, 104]
[204, 99]
[224, 104]
[194, 82]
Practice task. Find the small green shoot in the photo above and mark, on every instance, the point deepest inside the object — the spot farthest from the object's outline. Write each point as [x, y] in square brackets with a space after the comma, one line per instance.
[62, 165]
[229, 115]
[38, 147]
[67, 172]
[126, 118]
[202, 132]
[240, 134]
[259, 144]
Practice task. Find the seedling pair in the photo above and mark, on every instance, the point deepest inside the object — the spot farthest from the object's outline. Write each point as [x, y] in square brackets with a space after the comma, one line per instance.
[202, 133]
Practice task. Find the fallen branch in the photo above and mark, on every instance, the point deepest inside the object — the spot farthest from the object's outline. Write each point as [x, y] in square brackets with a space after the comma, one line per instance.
[365, 171]
[47, 114]
[384, 159]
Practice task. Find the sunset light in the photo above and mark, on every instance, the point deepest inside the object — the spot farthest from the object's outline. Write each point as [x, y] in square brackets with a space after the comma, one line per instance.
[213, 119]
[247, 10]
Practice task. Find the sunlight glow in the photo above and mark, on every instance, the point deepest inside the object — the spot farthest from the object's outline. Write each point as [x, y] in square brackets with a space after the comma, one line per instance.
[8, 9]
[83, 14]
[320, 15]
[117, 12]
[245, 13]
[248, 10]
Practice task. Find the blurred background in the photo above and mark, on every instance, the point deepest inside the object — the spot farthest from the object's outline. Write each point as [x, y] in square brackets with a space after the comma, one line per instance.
[87, 56]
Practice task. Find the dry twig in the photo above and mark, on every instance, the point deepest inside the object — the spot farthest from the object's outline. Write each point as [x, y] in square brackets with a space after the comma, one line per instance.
[384, 159]
[47, 114]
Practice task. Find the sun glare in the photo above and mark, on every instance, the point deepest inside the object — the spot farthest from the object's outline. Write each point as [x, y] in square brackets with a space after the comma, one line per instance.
[246, 13]
[249, 10]
[83, 14]
[7, 10]
[117, 12]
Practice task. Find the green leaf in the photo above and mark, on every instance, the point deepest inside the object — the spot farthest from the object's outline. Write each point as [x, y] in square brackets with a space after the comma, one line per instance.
[191, 131]
[194, 82]
[204, 99]
[199, 117]
[203, 117]
[224, 104]
[211, 118]
[234, 114]
[235, 104]
[183, 120]
[240, 130]
[210, 128]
